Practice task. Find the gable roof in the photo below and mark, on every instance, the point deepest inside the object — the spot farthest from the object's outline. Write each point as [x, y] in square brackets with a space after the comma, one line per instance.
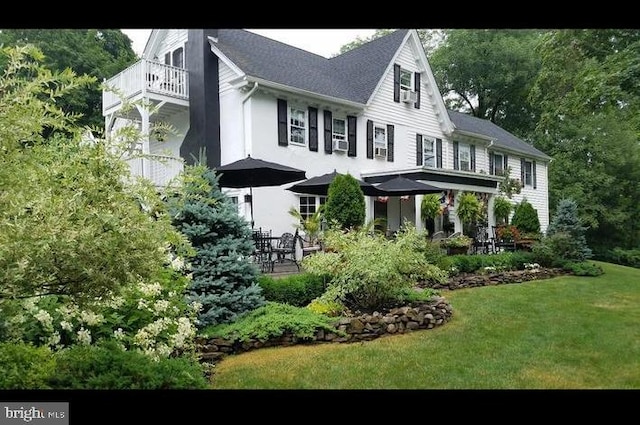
[351, 76]
[501, 137]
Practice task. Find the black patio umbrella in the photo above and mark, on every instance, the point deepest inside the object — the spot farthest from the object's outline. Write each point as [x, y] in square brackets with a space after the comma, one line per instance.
[319, 185]
[252, 172]
[402, 186]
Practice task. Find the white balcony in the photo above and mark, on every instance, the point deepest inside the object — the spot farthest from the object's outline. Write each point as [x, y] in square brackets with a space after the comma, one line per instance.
[150, 80]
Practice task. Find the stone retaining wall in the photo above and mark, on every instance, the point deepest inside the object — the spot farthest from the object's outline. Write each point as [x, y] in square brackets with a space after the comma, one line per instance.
[364, 327]
[465, 280]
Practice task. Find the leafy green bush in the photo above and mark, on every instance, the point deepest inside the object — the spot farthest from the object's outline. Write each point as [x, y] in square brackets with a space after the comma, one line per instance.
[297, 290]
[25, 367]
[525, 218]
[584, 268]
[345, 206]
[625, 257]
[557, 249]
[502, 261]
[367, 270]
[107, 367]
[272, 321]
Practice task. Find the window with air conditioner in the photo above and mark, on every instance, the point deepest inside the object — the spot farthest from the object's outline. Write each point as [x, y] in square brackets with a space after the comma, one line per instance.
[380, 141]
[339, 134]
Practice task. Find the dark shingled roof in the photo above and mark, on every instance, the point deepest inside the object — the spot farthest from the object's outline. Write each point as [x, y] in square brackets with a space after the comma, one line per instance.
[501, 138]
[351, 76]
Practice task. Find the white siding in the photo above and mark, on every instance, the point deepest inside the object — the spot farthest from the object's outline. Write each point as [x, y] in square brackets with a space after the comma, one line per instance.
[173, 39]
[538, 197]
[405, 117]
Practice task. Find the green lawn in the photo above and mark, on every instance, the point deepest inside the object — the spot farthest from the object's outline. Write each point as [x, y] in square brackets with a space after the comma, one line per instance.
[562, 333]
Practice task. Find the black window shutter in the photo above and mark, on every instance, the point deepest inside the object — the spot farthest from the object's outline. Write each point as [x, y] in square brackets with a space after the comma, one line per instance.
[283, 137]
[506, 163]
[472, 151]
[416, 77]
[369, 139]
[328, 132]
[533, 171]
[522, 164]
[491, 167]
[418, 149]
[313, 129]
[439, 153]
[351, 135]
[396, 83]
[389, 142]
[456, 164]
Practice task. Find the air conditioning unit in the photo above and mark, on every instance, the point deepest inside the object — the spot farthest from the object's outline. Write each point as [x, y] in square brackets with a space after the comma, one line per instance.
[409, 96]
[381, 152]
[340, 145]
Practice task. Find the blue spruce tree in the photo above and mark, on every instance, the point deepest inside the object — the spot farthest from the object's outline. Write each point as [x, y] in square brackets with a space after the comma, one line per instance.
[224, 280]
[566, 222]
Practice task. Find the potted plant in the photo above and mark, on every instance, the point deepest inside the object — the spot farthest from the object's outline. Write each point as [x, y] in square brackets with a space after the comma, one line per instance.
[502, 208]
[457, 244]
[429, 210]
[311, 226]
[468, 209]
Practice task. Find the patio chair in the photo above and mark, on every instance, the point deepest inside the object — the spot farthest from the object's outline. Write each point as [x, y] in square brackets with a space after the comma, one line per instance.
[482, 243]
[263, 253]
[286, 248]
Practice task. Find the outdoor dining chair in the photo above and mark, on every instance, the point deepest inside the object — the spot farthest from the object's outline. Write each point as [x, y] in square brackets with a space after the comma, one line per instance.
[286, 248]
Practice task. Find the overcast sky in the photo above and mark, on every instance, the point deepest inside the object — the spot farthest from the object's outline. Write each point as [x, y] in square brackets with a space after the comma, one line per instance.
[323, 42]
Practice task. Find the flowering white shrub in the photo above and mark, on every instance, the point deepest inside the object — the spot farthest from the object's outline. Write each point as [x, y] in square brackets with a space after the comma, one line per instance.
[153, 318]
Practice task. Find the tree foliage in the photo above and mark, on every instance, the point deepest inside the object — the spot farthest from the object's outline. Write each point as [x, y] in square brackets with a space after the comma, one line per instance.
[345, 202]
[590, 97]
[100, 53]
[224, 281]
[488, 73]
[69, 225]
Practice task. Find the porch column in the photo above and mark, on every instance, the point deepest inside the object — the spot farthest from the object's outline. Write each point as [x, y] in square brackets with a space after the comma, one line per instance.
[418, 206]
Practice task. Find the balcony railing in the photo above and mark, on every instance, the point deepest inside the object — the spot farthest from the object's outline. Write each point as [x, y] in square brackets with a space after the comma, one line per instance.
[144, 78]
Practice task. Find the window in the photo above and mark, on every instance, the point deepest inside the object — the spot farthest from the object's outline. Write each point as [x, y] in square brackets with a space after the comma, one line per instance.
[175, 58]
[297, 126]
[428, 152]
[528, 173]
[339, 133]
[380, 140]
[498, 164]
[310, 204]
[405, 80]
[464, 156]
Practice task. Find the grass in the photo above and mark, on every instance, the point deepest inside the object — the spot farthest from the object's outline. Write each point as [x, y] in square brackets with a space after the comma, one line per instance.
[562, 333]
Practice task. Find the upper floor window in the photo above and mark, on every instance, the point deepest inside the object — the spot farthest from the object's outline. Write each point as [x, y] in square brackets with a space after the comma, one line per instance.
[297, 125]
[464, 156]
[428, 152]
[380, 140]
[175, 58]
[497, 164]
[339, 133]
[405, 79]
[528, 173]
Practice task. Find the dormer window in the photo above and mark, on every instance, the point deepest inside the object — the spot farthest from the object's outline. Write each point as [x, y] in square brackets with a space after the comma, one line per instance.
[405, 80]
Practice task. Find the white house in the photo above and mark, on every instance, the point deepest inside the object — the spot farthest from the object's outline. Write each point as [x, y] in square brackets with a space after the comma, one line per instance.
[374, 112]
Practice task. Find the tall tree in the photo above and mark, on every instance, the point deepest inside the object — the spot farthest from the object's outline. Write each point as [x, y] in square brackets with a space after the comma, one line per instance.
[224, 280]
[100, 53]
[589, 95]
[488, 73]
